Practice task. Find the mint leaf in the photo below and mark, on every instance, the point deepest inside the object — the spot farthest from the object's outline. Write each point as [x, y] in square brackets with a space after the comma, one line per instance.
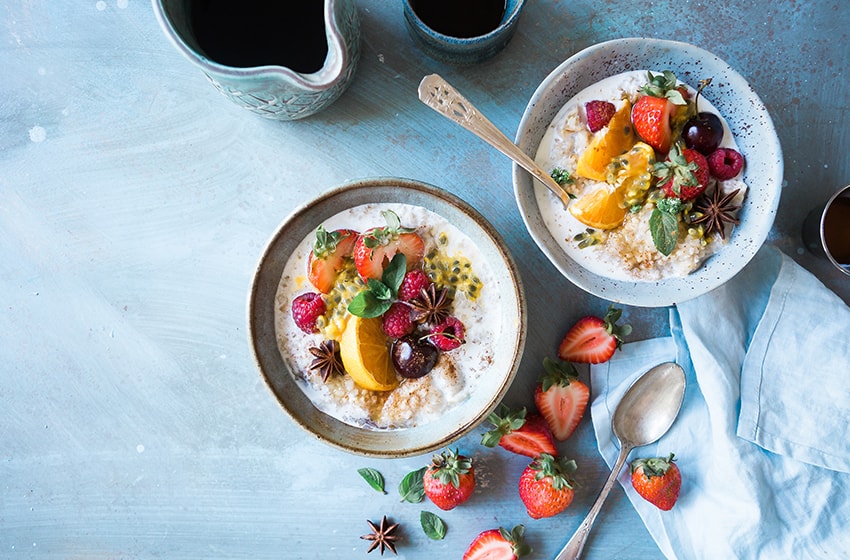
[379, 290]
[394, 273]
[664, 227]
[374, 478]
[412, 487]
[367, 306]
[434, 527]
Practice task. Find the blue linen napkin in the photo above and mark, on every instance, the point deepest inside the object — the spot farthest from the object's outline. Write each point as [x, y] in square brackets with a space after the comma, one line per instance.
[763, 437]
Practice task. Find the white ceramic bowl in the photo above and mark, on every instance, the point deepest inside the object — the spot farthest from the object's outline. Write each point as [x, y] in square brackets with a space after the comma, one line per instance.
[736, 101]
[275, 370]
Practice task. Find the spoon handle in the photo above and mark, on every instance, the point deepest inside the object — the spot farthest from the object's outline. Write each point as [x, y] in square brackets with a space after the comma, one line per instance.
[574, 547]
[438, 94]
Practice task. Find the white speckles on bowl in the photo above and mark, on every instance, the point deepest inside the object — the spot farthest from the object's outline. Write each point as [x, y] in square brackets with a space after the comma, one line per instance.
[457, 420]
[739, 105]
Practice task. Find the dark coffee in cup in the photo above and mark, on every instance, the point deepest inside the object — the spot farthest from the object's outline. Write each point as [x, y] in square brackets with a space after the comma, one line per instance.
[836, 230]
[460, 18]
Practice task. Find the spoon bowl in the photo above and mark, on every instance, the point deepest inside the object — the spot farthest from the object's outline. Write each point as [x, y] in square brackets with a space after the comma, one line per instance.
[644, 414]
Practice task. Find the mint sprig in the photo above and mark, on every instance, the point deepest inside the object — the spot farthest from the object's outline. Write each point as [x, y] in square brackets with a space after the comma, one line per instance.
[664, 224]
[380, 294]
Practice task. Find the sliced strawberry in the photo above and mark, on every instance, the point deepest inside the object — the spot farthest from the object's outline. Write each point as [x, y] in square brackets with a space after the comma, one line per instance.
[498, 544]
[684, 175]
[376, 247]
[330, 249]
[651, 119]
[561, 398]
[519, 432]
[593, 340]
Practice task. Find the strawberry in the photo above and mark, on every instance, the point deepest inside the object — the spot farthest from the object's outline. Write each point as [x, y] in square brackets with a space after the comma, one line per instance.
[330, 249]
[593, 340]
[561, 398]
[449, 480]
[657, 480]
[306, 308]
[376, 247]
[545, 486]
[598, 114]
[498, 544]
[654, 113]
[519, 433]
[684, 175]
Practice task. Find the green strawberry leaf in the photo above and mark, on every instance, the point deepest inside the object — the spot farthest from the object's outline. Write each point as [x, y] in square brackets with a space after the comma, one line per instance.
[412, 488]
[434, 527]
[374, 478]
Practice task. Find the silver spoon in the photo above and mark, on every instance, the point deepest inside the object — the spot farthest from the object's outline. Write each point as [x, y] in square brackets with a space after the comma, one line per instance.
[438, 94]
[644, 414]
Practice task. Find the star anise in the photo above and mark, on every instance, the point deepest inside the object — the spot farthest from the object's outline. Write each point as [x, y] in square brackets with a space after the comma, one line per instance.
[381, 536]
[326, 361]
[717, 211]
[432, 305]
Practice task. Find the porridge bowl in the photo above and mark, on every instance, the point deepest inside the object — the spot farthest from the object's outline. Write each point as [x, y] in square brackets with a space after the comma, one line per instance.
[350, 372]
[616, 71]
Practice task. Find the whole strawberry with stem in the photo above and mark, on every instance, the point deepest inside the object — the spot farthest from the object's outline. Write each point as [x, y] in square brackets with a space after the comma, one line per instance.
[661, 111]
[449, 480]
[593, 340]
[683, 175]
[546, 485]
[519, 432]
[657, 480]
[328, 256]
[376, 247]
[561, 398]
[498, 544]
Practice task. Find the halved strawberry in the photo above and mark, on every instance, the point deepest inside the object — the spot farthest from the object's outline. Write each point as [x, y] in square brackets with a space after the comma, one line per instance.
[684, 175]
[498, 544]
[330, 249]
[661, 111]
[519, 432]
[376, 247]
[593, 340]
[561, 398]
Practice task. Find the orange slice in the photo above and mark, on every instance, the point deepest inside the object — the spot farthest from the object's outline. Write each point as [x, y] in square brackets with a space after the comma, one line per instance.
[602, 209]
[364, 354]
[608, 143]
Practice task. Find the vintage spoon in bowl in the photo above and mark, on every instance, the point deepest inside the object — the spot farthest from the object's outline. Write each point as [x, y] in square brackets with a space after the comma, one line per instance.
[438, 94]
[644, 414]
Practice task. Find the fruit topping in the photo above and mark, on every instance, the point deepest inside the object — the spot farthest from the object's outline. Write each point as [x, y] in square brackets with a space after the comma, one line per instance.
[412, 284]
[725, 163]
[397, 320]
[363, 349]
[703, 133]
[546, 485]
[632, 173]
[654, 112]
[447, 335]
[326, 361]
[306, 308]
[561, 398]
[449, 480]
[683, 175]
[598, 114]
[413, 357]
[327, 259]
[716, 210]
[498, 544]
[617, 139]
[603, 208]
[432, 305]
[657, 480]
[376, 247]
[593, 340]
[382, 536]
[519, 432]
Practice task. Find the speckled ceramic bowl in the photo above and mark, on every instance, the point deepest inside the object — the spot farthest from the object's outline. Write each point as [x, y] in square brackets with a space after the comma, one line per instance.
[730, 94]
[458, 420]
[461, 51]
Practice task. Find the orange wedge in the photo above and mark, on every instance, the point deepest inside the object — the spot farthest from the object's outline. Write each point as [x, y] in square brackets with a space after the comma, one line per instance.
[364, 354]
[615, 139]
[603, 208]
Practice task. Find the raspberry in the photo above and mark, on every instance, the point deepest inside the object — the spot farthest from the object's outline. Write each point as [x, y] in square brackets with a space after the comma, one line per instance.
[397, 321]
[448, 335]
[306, 308]
[413, 283]
[599, 114]
[725, 163]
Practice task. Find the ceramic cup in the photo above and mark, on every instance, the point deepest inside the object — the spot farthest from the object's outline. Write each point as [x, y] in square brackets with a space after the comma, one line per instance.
[282, 61]
[461, 50]
[826, 230]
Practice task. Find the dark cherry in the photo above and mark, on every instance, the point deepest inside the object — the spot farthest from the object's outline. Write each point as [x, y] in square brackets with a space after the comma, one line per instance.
[413, 358]
[703, 133]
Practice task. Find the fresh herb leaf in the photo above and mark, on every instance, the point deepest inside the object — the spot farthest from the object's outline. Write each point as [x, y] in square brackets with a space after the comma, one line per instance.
[394, 273]
[561, 176]
[379, 294]
[434, 527]
[664, 227]
[366, 305]
[378, 289]
[412, 488]
[374, 478]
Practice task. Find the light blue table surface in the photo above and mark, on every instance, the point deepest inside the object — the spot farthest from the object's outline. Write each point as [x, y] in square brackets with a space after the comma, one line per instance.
[135, 201]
